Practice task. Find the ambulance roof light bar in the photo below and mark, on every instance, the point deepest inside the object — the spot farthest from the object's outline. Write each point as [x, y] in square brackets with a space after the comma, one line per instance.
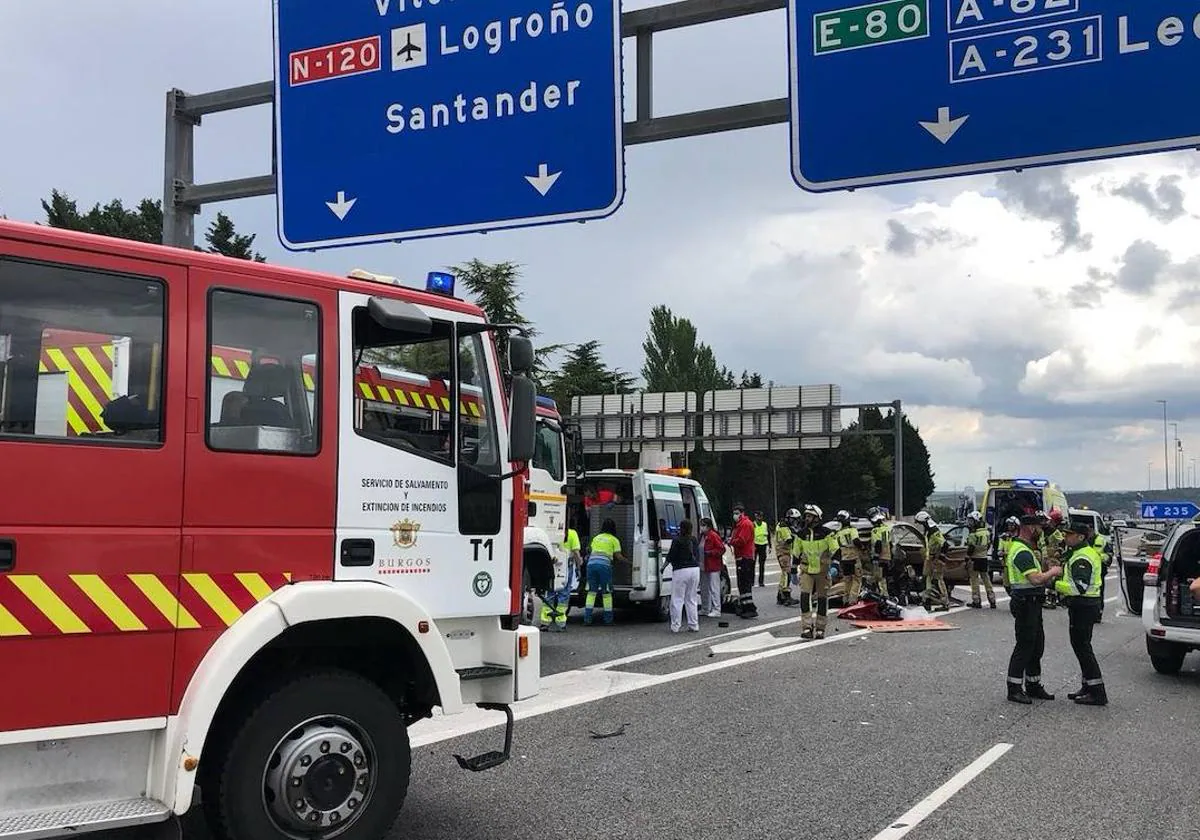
[680, 472]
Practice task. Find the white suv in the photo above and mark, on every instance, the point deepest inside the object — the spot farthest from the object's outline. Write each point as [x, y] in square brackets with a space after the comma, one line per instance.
[1170, 614]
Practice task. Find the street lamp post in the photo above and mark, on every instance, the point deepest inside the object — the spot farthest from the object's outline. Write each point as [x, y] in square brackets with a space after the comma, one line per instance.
[1166, 470]
[1175, 440]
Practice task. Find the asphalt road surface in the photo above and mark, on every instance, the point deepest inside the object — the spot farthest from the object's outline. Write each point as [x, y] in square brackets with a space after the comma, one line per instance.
[748, 732]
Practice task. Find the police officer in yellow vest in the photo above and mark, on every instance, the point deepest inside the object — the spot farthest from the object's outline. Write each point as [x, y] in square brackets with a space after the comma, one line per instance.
[1052, 547]
[851, 559]
[979, 543]
[881, 550]
[762, 541]
[783, 556]
[1079, 586]
[1027, 584]
[812, 553]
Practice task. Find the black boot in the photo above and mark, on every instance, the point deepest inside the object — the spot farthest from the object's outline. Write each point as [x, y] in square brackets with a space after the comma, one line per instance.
[779, 599]
[1036, 691]
[976, 605]
[992, 601]
[1016, 695]
[1096, 696]
[1082, 692]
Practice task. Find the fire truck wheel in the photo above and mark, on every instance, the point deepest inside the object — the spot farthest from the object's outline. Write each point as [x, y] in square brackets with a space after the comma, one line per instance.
[327, 754]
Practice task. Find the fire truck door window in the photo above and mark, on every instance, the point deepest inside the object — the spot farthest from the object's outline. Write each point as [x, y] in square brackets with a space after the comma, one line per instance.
[548, 450]
[81, 355]
[402, 388]
[263, 374]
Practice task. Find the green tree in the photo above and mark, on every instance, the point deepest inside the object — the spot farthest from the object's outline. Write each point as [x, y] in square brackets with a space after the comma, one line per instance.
[584, 372]
[675, 360]
[918, 473]
[495, 288]
[142, 224]
[222, 238]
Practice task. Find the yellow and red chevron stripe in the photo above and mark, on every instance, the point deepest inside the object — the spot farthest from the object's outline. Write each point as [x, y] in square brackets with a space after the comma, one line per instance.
[231, 363]
[58, 605]
[89, 370]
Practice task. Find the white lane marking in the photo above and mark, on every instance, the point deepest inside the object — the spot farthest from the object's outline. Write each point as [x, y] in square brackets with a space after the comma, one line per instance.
[913, 817]
[586, 685]
[759, 641]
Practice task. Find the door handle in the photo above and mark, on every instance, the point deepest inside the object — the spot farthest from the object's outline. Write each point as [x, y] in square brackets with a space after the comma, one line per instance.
[8, 555]
[358, 552]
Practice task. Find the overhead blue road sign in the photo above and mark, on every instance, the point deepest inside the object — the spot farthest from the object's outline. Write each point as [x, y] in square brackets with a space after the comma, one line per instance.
[903, 90]
[404, 119]
[1169, 510]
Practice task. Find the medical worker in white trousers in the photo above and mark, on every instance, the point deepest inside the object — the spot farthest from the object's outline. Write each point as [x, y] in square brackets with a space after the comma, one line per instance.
[684, 560]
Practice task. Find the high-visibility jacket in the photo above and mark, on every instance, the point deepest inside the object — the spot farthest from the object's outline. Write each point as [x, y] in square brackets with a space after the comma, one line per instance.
[934, 540]
[604, 548]
[760, 533]
[812, 548]
[846, 537]
[1083, 573]
[1018, 575]
[783, 541]
[978, 542]
[881, 541]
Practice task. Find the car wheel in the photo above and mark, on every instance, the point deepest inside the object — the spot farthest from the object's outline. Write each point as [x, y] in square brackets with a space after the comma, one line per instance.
[325, 755]
[1167, 658]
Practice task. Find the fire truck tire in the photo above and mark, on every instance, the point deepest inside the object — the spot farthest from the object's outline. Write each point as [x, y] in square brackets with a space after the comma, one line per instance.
[332, 737]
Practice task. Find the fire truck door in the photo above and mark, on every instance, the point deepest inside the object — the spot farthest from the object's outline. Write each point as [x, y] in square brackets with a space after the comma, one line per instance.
[90, 489]
[261, 458]
[420, 503]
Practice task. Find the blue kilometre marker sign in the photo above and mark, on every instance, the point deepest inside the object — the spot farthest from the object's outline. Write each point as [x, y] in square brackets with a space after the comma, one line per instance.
[1169, 510]
[903, 90]
[402, 119]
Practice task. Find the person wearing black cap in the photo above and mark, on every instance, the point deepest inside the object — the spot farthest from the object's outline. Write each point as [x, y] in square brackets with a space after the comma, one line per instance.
[1080, 588]
[1027, 584]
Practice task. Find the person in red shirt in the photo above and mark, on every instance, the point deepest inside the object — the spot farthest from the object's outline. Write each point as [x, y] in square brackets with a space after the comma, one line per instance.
[714, 561]
[742, 540]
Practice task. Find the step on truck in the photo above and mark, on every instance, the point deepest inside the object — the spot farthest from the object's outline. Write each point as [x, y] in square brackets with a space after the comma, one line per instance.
[254, 523]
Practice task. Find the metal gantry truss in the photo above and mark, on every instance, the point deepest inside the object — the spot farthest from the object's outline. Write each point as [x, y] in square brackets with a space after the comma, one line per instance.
[183, 198]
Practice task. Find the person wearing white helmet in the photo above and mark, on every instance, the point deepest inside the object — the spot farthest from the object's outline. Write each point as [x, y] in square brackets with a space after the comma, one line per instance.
[812, 553]
[933, 566]
[979, 541]
[850, 559]
[783, 556]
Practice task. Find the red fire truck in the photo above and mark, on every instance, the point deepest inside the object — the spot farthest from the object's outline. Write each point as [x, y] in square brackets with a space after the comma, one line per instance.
[254, 523]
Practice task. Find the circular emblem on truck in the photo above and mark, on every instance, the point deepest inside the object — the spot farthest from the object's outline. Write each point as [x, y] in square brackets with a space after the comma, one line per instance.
[482, 584]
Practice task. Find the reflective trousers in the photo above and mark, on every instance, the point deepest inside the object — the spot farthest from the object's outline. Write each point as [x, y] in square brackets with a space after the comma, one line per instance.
[556, 603]
[745, 582]
[599, 580]
[814, 594]
[853, 577]
[935, 581]
[1025, 664]
[784, 559]
[1082, 615]
[985, 578]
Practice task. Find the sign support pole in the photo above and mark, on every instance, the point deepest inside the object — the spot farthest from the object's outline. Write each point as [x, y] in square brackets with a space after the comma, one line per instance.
[898, 456]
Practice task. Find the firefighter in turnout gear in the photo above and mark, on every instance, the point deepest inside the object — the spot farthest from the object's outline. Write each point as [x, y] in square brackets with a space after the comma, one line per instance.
[1027, 584]
[1079, 586]
[812, 553]
[881, 551]
[850, 558]
[1052, 547]
[979, 542]
[783, 556]
[934, 564]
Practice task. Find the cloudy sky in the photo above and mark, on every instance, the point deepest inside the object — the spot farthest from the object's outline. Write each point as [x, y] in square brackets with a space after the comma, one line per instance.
[1028, 321]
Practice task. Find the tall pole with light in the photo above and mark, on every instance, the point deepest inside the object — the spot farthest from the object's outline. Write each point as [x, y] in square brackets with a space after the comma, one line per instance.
[1166, 469]
[1175, 440]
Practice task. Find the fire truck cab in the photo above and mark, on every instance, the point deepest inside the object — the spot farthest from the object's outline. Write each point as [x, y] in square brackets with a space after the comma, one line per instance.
[545, 561]
[254, 523]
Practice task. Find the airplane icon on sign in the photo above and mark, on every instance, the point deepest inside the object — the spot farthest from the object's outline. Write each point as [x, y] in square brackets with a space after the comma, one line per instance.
[408, 49]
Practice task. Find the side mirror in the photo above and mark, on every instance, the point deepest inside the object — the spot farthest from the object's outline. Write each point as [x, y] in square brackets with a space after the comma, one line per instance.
[522, 428]
[520, 354]
[399, 315]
